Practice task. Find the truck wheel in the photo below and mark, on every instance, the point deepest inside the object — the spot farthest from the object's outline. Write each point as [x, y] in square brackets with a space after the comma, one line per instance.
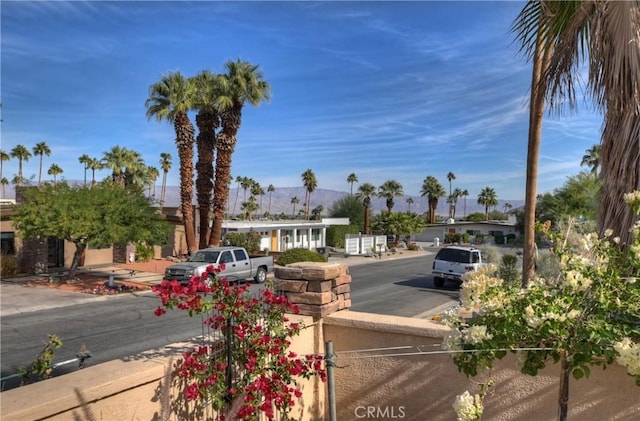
[438, 282]
[261, 276]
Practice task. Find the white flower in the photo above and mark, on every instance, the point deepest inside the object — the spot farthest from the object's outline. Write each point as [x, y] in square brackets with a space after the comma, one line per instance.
[467, 407]
[531, 318]
[629, 355]
[608, 232]
[453, 341]
[475, 334]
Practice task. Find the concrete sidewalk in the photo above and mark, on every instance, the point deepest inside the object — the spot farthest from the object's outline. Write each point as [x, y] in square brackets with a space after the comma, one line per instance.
[17, 298]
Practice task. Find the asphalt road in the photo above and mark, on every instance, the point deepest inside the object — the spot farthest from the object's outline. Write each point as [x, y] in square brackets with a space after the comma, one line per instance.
[126, 326]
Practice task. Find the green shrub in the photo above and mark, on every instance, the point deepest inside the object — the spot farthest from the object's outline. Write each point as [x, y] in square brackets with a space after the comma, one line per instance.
[466, 237]
[300, 255]
[509, 269]
[336, 234]
[249, 240]
[9, 265]
[144, 252]
[498, 239]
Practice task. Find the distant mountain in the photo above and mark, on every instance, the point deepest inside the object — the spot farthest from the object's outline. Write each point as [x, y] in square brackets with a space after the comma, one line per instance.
[281, 201]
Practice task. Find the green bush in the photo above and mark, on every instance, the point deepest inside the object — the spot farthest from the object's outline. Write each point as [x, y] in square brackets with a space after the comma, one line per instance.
[336, 234]
[144, 252]
[466, 237]
[300, 255]
[249, 240]
[9, 265]
[509, 269]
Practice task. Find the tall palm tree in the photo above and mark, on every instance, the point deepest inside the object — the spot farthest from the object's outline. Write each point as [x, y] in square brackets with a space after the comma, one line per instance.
[591, 158]
[165, 165]
[170, 100]
[85, 160]
[242, 83]
[453, 201]
[257, 191]
[409, 203]
[507, 207]
[41, 149]
[22, 154]
[432, 190]
[352, 178]
[294, 202]
[153, 175]
[365, 191]
[465, 194]
[115, 160]
[3, 157]
[207, 120]
[316, 212]
[487, 198]
[450, 176]
[136, 172]
[246, 184]
[55, 170]
[4, 182]
[388, 190]
[270, 190]
[94, 164]
[239, 181]
[310, 184]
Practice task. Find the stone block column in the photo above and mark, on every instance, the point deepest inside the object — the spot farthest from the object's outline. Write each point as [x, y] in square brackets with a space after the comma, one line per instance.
[318, 289]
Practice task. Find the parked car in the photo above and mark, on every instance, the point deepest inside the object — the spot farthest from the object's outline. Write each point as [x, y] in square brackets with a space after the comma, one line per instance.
[452, 262]
[238, 265]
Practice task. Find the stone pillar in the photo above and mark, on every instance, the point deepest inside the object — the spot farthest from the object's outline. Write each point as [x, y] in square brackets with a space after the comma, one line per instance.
[318, 289]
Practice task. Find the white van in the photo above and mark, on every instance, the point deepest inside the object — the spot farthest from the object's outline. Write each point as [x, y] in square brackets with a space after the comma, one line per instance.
[454, 261]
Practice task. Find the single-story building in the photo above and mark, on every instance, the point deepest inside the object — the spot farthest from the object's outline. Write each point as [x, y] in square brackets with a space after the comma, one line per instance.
[486, 228]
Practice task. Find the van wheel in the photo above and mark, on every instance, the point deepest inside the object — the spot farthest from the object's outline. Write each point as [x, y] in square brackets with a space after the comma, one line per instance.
[261, 276]
[438, 282]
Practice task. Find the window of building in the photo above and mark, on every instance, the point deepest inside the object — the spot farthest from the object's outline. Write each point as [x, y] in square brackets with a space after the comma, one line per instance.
[8, 243]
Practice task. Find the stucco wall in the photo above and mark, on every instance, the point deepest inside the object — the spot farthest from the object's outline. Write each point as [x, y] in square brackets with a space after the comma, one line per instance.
[423, 387]
[375, 385]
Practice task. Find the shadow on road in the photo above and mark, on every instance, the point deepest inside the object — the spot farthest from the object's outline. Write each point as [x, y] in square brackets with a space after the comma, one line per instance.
[426, 283]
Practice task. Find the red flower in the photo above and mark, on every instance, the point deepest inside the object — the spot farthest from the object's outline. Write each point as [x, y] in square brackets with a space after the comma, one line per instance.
[159, 311]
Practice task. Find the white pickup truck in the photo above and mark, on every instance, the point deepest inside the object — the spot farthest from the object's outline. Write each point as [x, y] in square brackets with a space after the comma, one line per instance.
[238, 264]
[452, 262]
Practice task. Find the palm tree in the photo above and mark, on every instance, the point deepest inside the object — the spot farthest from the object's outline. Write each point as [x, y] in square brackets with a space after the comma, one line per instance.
[85, 160]
[450, 176]
[4, 182]
[3, 157]
[153, 174]
[465, 194]
[388, 190]
[310, 184]
[507, 207]
[239, 181]
[115, 160]
[94, 164]
[55, 170]
[207, 120]
[432, 190]
[592, 158]
[246, 184]
[242, 83]
[316, 212]
[487, 198]
[165, 165]
[453, 202]
[41, 149]
[136, 172]
[409, 203]
[170, 100]
[294, 202]
[23, 155]
[257, 190]
[270, 190]
[352, 178]
[249, 207]
[365, 191]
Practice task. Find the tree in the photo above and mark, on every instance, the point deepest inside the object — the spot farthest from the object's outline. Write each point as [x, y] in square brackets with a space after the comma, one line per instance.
[316, 212]
[507, 207]
[487, 198]
[55, 170]
[4, 182]
[310, 183]
[294, 202]
[348, 207]
[153, 175]
[388, 190]
[270, 190]
[409, 202]
[85, 160]
[239, 181]
[365, 191]
[207, 119]
[257, 191]
[103, 215]
[432, 190]
[450, 177]
[115, 160]
[22, 154]
[165, 166]
[465, 194]
[249, 207]
[351, 179]
[242, 83]
[3, 157]
[94, 164]
[170, 100]
[41, 149]
[592, 158]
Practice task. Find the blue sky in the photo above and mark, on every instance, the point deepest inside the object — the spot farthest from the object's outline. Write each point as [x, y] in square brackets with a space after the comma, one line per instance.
[387, 90]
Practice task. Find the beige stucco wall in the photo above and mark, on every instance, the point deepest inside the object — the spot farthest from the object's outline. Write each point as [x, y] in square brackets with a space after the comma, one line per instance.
[417, 387]
[423, 387]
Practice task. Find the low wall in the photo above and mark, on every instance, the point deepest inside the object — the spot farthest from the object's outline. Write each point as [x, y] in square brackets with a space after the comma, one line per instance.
[375, 378]
[378, 382]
